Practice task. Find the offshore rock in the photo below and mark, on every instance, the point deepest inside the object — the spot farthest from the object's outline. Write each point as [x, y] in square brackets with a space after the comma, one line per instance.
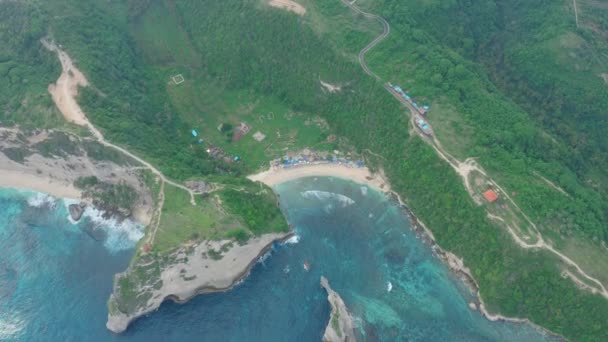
[76, 211]
[340, 326]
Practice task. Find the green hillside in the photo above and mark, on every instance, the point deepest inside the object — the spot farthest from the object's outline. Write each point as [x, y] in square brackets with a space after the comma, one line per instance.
[514, 84]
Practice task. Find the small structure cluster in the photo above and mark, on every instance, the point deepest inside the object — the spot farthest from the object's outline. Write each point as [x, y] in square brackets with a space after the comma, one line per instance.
[422, 110]
[307, 157]
[240, 131]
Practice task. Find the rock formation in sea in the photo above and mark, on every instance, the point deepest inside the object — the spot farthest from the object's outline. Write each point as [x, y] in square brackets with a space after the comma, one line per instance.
[76, 211]
[340, 326]
[204, 267]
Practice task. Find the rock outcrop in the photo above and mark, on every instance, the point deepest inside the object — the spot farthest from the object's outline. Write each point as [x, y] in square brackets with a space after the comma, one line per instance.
[76, 211]
[205, 267]
[340, 326]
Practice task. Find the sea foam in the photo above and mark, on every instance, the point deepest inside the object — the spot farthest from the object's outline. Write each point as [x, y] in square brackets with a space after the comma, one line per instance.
[120, 235]
[38, 200]
[10, 327]
[344, 201]
[292, 240]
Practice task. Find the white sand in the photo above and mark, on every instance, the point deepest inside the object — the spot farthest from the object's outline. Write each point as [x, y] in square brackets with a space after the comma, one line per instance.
[26, 181]
[278, 175]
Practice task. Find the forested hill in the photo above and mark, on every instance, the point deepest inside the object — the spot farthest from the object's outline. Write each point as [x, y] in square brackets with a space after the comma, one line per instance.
[243, 60]
[536, 53]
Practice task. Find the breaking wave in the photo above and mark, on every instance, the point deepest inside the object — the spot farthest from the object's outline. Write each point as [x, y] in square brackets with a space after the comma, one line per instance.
[292, 240]
[39, 199]
[344, 201]
[10, 327]
[120, 235]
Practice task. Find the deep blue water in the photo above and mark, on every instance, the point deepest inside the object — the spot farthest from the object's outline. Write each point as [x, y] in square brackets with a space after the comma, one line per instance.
[55, 278]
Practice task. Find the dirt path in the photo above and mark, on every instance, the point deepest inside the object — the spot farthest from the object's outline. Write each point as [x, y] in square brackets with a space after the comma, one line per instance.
[463, 169]
[64, 93]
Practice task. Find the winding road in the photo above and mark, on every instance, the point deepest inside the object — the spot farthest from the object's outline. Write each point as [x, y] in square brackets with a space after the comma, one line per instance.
[469, 165]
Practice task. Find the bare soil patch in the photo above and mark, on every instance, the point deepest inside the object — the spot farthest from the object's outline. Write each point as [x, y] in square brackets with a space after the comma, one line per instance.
[288, 5]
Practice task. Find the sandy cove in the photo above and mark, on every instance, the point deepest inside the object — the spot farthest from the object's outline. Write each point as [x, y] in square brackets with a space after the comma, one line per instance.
[277, 175]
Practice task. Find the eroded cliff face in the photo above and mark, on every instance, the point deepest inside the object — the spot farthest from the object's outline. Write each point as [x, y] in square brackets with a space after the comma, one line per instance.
[340, 326]
[208, 266]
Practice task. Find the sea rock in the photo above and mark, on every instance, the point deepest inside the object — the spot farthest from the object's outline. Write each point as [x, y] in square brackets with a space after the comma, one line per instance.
[76, 211]
[340, 326]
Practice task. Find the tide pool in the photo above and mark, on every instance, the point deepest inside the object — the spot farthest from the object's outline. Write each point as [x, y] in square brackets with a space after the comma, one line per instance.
[55, 278]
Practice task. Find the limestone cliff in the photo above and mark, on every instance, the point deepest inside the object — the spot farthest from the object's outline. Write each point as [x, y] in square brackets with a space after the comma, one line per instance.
[208, 266]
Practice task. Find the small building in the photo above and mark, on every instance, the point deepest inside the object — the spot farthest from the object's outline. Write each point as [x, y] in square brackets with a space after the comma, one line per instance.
[490, 195]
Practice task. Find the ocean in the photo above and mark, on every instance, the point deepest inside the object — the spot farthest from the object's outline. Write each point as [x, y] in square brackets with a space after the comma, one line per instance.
[56, 276]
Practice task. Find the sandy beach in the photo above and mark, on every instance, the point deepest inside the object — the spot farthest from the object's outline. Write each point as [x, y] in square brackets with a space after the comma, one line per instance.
[277, 174]
[25, 181]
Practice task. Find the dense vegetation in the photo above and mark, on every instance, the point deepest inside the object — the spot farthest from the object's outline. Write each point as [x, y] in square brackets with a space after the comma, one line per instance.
[26, 69]
[119, 196]
[529, 64]
[257, 207]
[244, 45]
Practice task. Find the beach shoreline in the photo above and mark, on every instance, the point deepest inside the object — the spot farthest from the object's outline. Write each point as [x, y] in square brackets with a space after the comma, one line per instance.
[278, 174]
[12, 179]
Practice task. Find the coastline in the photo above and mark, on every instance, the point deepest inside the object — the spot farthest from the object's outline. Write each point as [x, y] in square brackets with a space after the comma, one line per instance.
[211, 276]
[277, 174]
[27, 181]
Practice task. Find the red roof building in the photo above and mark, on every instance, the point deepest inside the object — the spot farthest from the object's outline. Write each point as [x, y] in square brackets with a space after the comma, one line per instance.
[490, 195]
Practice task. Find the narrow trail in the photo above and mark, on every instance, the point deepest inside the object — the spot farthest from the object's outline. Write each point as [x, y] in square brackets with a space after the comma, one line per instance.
[64, 93]
[469, 165]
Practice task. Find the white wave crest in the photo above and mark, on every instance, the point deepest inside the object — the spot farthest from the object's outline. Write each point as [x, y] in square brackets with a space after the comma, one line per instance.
[39, 200]
[292, 240]
[265, 256]
[9, 328]
[344, 201]
[364, 190]
[120, 235]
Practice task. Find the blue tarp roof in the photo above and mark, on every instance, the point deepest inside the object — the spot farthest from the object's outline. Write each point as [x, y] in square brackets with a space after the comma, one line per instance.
[194, 133]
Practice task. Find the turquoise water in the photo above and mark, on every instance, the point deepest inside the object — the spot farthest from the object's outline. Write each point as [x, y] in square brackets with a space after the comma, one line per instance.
[55, 278]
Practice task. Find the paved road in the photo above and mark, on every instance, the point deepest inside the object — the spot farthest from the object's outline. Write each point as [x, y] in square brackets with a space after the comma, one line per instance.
[387, 31]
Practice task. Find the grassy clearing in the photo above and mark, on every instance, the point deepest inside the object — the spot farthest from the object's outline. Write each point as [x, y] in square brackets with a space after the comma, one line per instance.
[452, 130]
[206, 107]
[181, 221]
